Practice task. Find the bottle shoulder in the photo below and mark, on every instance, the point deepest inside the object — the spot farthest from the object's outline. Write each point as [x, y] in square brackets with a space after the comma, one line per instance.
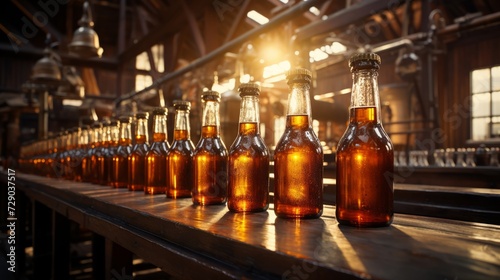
[211, 145]
[182, 146]
[365, 135]
[159, 148]
[252, 144]
[140, 149]
[303, 138]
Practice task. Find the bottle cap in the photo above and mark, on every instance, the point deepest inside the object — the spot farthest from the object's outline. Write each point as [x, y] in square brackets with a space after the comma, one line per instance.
[125, 119]
[142, 115]
[182, 105]
[251, 88]
[364, 61]
[299, 75]
[159, 111]
[210, 95]
[96, 125]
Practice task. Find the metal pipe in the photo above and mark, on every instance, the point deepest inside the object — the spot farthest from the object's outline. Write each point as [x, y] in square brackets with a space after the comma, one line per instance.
[476, 22]
[303, 6]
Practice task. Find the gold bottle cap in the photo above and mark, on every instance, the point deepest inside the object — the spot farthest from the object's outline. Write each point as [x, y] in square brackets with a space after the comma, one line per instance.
[125, 119]
[97, 125]
[249, 89]
[299, 75]
[210, 95]
[159, 111]
[142, 115]
[364, 60]
[182, 104]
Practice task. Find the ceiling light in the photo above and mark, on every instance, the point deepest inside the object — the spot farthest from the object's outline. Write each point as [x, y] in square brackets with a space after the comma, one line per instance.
[85, 41]
[257, 17]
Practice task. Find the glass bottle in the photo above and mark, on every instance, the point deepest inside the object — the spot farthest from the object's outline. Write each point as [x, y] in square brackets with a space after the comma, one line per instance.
[180, 154]
[60, 161]
[137, 157]
[94, 153]
[119, 166]
[156, 157]
[298, 157]
[365, 163]
[210, 156]
[248, 168]
[76, 154]
[102, 153]
[114, 138]
[87, 154]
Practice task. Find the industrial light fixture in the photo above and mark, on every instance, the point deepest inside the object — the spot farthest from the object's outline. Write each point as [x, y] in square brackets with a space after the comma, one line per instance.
[85, 41]
[47, 70]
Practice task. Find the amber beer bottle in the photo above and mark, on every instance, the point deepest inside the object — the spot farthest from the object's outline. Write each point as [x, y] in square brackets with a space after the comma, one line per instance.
[248, 168]
[156, 158]
[76, 154]
[180, 154]
[119, 165]
[94, 154]
[114, 138]
[137, 157]
[103, 153]
[298, 157]
[210, 156]
[365, 159]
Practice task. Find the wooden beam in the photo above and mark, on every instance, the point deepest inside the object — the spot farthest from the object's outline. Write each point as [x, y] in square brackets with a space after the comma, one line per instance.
[122, 26]
[160, 32]
[237, 21]
[195, 30]
[28, 10]
[102, 63]
[344, 17]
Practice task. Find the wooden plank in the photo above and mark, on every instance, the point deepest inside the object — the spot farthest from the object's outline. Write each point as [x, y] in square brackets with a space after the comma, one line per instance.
[261, 245]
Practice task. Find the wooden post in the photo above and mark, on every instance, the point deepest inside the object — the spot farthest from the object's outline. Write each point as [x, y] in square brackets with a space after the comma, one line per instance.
[118, 261]
[60, 246]
[42, 241]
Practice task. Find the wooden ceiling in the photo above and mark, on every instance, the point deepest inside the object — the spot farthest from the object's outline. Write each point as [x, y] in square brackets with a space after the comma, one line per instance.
[192, 29]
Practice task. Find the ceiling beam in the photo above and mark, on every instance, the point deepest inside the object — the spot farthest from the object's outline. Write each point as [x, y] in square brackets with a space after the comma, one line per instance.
[237, 21]
[345, 17]
[231, 45]
[101, 63]
[29, 11]
[161, 31]
[195, 30]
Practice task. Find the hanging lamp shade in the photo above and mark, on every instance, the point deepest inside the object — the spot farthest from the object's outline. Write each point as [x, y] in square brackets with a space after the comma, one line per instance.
[85, 41]
[46, 70]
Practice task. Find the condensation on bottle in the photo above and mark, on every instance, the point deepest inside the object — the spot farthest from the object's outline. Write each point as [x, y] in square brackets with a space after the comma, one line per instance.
[365, 160]
[248, 168]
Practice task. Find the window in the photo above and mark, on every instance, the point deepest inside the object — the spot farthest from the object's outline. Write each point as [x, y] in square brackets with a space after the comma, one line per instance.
[142, 63]
[485, 107]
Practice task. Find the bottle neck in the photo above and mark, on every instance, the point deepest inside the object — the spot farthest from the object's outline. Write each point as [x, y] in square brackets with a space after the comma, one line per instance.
[159, 128]
[249, 110]
[298, 100]
[211, 114]
[75, 137]
[106, 135]
[365, 93]
[182, 121]
[97, 135]
[125, 133]
[84, 138]
[141, 135]
[115, 135]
